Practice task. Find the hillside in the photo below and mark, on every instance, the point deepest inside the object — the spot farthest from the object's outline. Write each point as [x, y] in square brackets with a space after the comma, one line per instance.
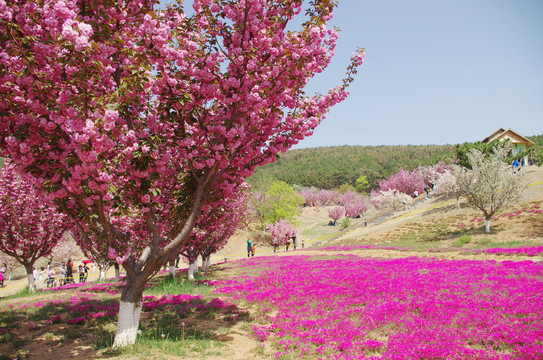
[430, 224]
[331, 167]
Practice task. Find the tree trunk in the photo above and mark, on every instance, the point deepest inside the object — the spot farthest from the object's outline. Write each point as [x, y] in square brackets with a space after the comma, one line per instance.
[129, 315]
[208, 262]
[117, 272]
[190, 271]
[487, 226]
[458, 203]
[195, 265]
[31, 280]
[171, 268]
[102, 277]
[204, 263]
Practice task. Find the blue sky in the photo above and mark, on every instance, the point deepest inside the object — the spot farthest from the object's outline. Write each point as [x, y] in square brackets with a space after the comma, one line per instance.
[436, 72]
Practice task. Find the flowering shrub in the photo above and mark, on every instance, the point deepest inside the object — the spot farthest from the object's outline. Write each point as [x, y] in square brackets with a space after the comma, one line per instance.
[525, 250]
[355, 308]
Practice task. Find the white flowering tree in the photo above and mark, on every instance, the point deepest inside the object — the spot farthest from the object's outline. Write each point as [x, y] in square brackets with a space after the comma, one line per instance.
[490, 184]
[389, 199]
[446, 184]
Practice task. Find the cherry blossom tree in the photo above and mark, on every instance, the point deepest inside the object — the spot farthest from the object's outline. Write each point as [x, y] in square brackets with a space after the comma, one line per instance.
[132, 119]
[310, 197]
[430, 174]
[490, 184]
[356, 208]
[29, 227]
[95, 251]
[281, 231]
[336, 213]
[65, 249]
[326, 197]
[217, 224]
[446, 184]
[348, 197]
[404, 181]
[221, 226]
[389, 199]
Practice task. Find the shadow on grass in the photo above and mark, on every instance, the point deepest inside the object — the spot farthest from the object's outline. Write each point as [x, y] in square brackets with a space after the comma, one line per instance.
[74, 320]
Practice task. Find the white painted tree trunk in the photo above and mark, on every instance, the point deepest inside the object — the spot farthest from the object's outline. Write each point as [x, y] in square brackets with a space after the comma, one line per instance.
[102, 275]
[487, 226]
[458, 203]
[117, 273]
[31, 282]
[190, 271]
[171, 268]
[127, 326]
[195, 265]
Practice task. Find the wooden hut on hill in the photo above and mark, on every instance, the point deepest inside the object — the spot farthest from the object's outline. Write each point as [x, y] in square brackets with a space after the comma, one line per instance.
[519, 143]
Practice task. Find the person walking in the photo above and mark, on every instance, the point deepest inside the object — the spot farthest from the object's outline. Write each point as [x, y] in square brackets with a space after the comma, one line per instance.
[70, 272]
[40, 278]
[249, 248]
[81, 273]
[51, 277]
[86, 269]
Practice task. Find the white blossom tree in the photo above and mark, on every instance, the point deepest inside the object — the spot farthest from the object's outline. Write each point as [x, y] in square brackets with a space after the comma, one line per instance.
[446, 184]
[491, 184]
[389, 199]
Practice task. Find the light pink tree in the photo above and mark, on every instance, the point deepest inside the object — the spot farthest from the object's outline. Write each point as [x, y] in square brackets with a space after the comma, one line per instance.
[336, 213]
[446, 184]
[348, 197]
[389, 199]
[356, 208]
[65, 249]
[310, 197]
[281, 231]
[29, 226]
[403, 181]
[326, 197]
[132, 120]
[430, 174]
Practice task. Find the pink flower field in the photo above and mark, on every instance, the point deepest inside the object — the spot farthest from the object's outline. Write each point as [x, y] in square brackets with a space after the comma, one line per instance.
[348, 307]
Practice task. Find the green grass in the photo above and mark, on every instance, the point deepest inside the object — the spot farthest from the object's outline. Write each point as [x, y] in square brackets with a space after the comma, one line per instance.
[462, 240]
[177, 285]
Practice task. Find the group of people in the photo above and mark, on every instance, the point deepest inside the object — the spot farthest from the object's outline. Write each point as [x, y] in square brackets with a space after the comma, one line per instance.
[67, 272]
[287, 243]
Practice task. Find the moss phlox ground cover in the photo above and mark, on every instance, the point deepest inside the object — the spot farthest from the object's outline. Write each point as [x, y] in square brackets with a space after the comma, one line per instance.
[411, 308]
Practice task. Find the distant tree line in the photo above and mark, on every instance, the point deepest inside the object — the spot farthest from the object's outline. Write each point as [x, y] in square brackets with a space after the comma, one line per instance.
[332, 167]
[362, 167]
